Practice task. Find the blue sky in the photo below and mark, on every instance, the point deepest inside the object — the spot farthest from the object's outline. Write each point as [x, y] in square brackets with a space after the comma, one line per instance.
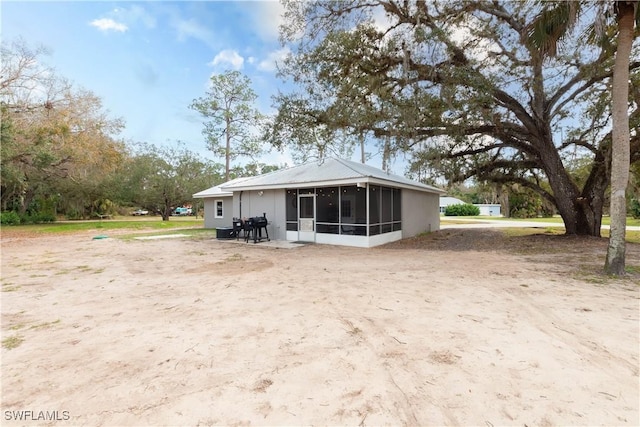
[147, 61]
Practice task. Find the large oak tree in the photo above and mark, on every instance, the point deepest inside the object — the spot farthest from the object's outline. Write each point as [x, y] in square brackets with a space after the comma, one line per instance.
[551, 26]
[456, 84]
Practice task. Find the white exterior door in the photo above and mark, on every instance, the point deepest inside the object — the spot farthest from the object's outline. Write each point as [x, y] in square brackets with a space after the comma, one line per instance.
[307, 217]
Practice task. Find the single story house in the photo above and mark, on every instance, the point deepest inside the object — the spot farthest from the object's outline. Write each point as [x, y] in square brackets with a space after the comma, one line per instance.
[218, 205]
[486, 209]
[337, 202]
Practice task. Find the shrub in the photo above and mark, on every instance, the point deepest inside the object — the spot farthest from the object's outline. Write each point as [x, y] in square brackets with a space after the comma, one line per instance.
[73, 214]
[45, 217]
[9, 218]
[635, 208]
[462, 210]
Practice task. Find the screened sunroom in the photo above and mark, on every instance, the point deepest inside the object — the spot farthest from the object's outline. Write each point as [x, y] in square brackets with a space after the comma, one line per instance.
[348, 209]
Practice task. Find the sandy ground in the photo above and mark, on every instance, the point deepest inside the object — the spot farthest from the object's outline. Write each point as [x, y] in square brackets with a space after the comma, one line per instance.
[196, 332]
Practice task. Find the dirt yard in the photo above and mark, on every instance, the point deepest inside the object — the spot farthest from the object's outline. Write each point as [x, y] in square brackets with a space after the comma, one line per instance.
[462, 327]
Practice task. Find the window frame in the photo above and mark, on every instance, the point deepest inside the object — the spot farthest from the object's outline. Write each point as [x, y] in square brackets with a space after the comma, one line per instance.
[215, 209]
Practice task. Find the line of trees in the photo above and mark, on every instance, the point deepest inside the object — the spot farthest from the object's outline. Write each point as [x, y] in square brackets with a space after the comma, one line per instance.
[61, 154]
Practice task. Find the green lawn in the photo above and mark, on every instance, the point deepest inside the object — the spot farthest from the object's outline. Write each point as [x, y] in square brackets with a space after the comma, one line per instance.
[194, 226]
[118, 223]
[555, 219]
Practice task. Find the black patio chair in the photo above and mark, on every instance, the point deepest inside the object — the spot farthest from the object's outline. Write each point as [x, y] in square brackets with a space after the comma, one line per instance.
[238, 228]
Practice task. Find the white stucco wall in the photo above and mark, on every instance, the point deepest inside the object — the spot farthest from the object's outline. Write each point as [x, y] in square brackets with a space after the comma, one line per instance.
[257, 203]
[210, 221]
[420, 212]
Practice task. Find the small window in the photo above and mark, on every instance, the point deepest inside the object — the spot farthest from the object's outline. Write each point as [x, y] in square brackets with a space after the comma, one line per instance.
[219, 209]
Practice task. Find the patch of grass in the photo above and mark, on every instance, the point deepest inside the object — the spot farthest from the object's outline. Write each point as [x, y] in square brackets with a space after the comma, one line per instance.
[631, 236]
[45, 325]
[456, 220]
[10, 287]
[590, 277]
[351, 328]
[80, 268]
[12, 342]
[527, 231]
[17, 326]
[190, 232]
[632, 269]
[234, 257]
[131, 223]
[631, 222]
[595, 274]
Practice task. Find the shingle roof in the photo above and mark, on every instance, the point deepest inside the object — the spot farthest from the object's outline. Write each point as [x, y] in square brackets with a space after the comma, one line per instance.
[331, 171]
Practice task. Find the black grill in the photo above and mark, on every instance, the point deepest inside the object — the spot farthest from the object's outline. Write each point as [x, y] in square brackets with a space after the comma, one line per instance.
[258, 221]
[255, 229]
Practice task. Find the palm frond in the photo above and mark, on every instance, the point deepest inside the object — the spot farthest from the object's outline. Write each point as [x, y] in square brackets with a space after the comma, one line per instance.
[552, 25]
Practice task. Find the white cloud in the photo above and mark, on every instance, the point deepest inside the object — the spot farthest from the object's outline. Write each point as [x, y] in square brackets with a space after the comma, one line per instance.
[267, 17]
[190, 28]
[122, 19]
[230, 57]
[274, 58]
[136, 14]
[108, 24]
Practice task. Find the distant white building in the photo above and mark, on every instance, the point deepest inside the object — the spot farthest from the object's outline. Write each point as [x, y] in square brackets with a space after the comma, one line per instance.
[486, 209]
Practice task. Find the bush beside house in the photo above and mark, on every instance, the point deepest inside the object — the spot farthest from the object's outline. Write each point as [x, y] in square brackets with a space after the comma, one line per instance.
[462, 210]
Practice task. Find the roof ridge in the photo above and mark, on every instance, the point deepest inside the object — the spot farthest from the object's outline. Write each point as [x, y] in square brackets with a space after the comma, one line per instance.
[370, 169]
[348, 164]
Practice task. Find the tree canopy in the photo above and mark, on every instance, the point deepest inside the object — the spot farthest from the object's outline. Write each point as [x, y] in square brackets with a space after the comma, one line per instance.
[60, 152]
[160, 179]
[232, 120]
[55, 137]
[457, 86]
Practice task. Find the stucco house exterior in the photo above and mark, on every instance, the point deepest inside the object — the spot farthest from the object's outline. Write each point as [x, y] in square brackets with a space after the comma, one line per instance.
[218, 205]
[336, 202]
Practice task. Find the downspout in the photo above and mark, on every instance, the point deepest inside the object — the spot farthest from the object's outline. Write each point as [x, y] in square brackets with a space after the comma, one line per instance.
[240, 216]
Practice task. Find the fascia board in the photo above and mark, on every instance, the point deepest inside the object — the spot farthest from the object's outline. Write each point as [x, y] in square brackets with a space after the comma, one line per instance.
[334, 183]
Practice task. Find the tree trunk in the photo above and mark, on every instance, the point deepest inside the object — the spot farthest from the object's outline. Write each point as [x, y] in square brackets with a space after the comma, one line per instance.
[503, 199]
[26, 199]
[386, 154]
[166, 211]
[620, 147]
[581, 212]
[228, 149]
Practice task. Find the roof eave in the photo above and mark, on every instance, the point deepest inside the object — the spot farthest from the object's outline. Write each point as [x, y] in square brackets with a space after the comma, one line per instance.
[203, 195]
[331, 183]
